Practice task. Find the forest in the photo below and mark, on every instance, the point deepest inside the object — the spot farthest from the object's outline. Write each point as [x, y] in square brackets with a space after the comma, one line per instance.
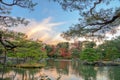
[59, 39]
[93, 23]
[30, 51]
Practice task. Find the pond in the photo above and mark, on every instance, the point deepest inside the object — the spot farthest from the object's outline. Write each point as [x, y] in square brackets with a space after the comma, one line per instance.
[62, 70]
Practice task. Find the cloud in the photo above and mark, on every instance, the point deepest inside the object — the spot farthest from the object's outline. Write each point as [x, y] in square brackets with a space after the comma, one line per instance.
[56, 40]
[44, 31]
[111, 36]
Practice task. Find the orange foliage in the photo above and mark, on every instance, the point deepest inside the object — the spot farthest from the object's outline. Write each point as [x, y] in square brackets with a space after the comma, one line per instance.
[64, 52]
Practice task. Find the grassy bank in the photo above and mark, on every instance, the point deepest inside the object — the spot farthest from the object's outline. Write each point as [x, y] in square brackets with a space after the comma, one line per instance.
[29, 65]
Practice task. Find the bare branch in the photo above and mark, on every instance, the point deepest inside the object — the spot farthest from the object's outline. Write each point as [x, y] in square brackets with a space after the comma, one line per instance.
[95, 4]
[21, 3]
[1, 1]
[97, 29]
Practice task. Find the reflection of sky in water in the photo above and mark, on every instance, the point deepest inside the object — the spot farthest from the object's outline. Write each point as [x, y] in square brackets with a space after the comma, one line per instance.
[103, 75]
[54, 75]
[70, 73]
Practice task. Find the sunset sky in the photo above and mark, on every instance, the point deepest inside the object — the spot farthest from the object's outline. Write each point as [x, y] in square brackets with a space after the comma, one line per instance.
[48, 21]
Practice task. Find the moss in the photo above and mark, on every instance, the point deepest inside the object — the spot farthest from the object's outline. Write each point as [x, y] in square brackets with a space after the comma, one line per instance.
[1, 65]
[30, 65]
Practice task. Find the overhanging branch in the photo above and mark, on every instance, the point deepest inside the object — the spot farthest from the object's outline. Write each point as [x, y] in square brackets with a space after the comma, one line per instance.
[106, 22]
[7, 4]
[95, 4]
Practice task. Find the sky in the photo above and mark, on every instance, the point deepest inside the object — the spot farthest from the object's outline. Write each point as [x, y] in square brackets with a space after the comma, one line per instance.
[47, 21]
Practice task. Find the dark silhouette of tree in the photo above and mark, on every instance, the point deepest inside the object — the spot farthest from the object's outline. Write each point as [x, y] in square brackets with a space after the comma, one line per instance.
[8, 21]
[96, 17]
[5, 9]
[7, 44]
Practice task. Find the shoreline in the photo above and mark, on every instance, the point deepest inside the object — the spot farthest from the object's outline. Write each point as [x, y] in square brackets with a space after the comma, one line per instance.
[95, 63]
[102, 63]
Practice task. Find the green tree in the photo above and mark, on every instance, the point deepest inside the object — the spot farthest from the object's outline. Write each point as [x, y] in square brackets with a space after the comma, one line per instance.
[49, 49]
[110, 49]
[25, 48]
[89, 54]
[89, 44]
[8, 21]
[75, 53]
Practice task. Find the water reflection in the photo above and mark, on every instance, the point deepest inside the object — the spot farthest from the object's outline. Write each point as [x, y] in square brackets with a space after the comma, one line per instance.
[61, 70]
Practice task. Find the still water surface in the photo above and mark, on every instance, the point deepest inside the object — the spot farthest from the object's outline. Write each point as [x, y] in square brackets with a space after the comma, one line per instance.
[62, 70]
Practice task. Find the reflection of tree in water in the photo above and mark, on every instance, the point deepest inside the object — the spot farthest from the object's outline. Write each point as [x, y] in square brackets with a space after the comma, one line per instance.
[90, 72]
[26, 74]
[29, 74]
[62, 67]
[76, 67]
[114, 73]
[50, 63]
[22, 72]
[86, 72]
[4, 70]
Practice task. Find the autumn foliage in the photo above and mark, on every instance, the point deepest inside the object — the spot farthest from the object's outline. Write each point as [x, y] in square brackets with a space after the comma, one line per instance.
[64, 52]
